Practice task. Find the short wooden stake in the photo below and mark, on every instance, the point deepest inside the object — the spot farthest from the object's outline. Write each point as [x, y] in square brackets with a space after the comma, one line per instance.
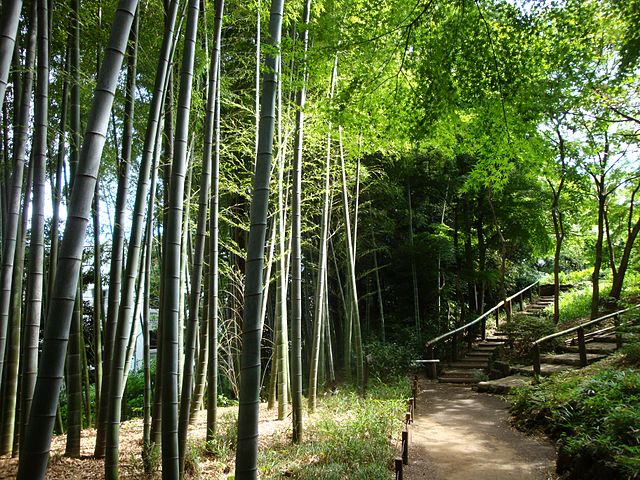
[405, 447]
[398, 463]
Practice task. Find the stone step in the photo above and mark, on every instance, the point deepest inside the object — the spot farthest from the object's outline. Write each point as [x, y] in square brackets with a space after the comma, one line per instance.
[457, 380]
[504, 385]
[459, 372]
[610, 338]
[471, 364]
[488, 347]
[546, 369]
[593, 347]
[569, 358]
[479, 354]
[493, 341]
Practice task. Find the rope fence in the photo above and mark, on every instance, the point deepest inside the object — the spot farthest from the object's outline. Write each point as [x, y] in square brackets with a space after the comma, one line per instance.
[403, 459]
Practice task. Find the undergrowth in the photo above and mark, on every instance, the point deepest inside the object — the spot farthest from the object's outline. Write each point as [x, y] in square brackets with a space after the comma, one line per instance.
[575, 303]
[525, 329]
[594, 413]
[349, 437]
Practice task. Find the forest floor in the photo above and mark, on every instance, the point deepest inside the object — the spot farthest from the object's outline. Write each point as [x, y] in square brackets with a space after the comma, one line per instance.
[460, 434]
[131, 466]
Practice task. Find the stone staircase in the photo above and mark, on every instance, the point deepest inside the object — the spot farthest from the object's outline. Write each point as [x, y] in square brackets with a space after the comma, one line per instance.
[568, 358]
[598, 345]
[476, 363]
[538, 306]
[479, 360]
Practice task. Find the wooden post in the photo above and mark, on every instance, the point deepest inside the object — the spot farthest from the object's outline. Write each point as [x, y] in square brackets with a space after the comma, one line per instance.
[521, 301]
[536, 360]
[411, 407]
[405, 447]
[398, 464]
[470, 336]
[616, 321]
[414, 390]
[483, 328]
[432, 370]
[407, 418]
[582, 348]
[497, 317]
[454, 347]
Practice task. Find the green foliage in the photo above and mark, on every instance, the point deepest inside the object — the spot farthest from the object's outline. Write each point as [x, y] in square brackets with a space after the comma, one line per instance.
[631, 352]
[151, 457]
[224, 443]
[390, 360]
[348, 438]
[135, 394]
[575, 303]
[632, 283]
[595, 413]
[192, 466]
[525, 329]
[224, 401]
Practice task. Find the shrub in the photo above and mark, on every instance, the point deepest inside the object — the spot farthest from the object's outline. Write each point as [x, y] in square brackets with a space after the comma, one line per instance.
[225, 440]
[575, 303]
[525, 329]
[349, 437]
[390, 360]
[595, 418]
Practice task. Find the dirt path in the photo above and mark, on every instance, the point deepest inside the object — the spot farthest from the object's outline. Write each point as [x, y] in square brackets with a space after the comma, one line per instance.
[460, 434]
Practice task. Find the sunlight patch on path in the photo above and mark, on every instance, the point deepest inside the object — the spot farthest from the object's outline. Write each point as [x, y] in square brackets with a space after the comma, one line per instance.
[459, 434]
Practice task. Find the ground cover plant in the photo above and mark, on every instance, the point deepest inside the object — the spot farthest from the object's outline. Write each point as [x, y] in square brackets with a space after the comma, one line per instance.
[350, 436]
[593, 413]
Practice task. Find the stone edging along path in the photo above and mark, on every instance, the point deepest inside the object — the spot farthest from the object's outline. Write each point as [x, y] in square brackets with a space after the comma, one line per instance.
[460, 434]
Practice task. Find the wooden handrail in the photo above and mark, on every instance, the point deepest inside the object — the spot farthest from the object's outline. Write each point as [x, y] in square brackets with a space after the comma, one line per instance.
[582, 349]
[432, 371]
[583, 325]
[481, 317]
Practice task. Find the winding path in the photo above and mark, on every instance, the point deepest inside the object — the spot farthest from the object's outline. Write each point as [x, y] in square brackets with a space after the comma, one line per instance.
[460, 434]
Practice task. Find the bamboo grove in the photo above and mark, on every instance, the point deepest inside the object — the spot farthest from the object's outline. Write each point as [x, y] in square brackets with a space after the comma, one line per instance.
[241, 199]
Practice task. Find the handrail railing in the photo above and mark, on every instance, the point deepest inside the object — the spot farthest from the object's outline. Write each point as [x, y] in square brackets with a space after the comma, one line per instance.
[430, 345]
[582, 349]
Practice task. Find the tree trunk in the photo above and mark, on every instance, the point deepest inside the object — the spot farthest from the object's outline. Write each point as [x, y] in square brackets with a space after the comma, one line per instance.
[214, 229]
[203, 202]
[117, 242]
[35, 278]
[247, 451]
[8, 31]
[296, 291]
[595, 276]
[97, 299]
[281, 287]
[414, 273]
[376, 269]
[74, 380]
[124, 316]
[10, 238]
[321, 281]
[171, 265]
[33, 460]
[632, 234]
[353, 289]
[10, 377]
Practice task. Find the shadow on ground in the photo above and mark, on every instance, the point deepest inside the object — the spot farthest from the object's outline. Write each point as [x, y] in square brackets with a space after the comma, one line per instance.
[460, 434]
